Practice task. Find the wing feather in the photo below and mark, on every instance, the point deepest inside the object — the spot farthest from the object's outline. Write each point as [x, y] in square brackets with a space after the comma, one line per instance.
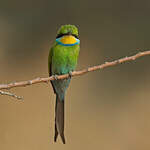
[50, 66]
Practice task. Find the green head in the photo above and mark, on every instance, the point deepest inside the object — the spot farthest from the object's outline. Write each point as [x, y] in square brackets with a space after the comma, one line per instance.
[67, 30]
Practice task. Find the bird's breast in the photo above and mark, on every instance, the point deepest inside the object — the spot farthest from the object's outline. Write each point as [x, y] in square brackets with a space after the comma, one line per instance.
[64, 59]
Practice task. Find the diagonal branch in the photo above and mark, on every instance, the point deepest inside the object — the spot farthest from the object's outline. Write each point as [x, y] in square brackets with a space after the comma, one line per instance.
[10, 94]
[75, 73]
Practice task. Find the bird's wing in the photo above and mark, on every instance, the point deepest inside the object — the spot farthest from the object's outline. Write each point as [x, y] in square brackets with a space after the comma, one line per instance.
[50, 61]
[50, 65]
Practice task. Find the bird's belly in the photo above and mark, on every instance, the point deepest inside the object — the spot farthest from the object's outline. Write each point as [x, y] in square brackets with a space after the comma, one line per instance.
[61, 69]
[63, 65]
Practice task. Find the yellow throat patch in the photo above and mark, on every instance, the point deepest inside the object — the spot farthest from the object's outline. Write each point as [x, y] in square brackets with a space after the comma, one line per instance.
[68, 39]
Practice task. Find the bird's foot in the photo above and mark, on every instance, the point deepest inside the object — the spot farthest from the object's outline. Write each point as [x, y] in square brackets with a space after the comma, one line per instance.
[70, 74]
[55, 77]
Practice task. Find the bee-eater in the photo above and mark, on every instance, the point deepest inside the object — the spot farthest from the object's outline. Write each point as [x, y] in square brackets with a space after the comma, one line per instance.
[62, 59]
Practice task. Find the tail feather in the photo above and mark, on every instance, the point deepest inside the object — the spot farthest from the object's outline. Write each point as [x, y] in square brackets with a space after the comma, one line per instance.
[56, 132]
[59, 119]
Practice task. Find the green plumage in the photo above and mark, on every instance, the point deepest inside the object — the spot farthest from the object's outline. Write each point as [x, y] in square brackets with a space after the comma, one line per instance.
[62, 60]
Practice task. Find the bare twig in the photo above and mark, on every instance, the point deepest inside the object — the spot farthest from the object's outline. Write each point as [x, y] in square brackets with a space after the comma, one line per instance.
[10, 94]
[75, 73]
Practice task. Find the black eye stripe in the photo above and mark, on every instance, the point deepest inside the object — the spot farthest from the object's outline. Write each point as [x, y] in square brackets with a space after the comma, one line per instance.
[75, 36]
[61, 35]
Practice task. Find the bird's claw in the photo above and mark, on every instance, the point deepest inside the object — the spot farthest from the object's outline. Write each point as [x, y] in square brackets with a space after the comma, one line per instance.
[55, 77]
[70, 74]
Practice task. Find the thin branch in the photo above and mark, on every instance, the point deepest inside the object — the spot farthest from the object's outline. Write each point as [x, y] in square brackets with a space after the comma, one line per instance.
[10, 94]
[75, 73]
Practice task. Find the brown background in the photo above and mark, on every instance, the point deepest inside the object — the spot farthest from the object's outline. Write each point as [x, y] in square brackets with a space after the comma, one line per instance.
[106, 109]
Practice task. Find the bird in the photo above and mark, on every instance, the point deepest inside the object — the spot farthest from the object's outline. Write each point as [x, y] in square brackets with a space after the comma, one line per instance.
[62, 59]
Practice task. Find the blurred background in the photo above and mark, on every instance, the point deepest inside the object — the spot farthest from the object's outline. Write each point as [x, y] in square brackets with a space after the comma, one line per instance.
[107, 109]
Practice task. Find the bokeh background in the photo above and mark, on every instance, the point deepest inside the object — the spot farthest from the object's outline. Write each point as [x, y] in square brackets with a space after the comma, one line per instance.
[107, 109]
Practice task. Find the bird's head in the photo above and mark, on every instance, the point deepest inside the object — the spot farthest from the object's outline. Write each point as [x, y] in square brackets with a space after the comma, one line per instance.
[68, 30]
[68, 35]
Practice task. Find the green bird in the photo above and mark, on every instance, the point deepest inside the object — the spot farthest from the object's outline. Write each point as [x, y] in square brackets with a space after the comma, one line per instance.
[62, 59]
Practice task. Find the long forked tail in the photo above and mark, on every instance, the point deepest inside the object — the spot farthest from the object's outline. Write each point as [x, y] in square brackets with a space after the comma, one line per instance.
[59, 119]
